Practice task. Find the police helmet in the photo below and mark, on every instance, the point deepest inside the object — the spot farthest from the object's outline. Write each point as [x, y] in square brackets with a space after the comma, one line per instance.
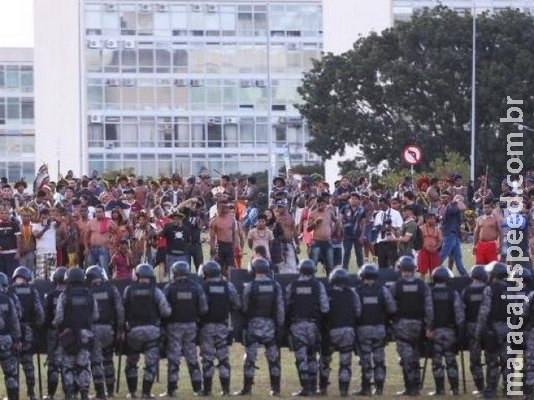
[4, 280]
[406, 263]
[75, 276]
[526, 275]
[144, 271]
[212, 269]
[339, 277]
[59, 276]
[369, 271]
[441, 275]
[22, 272]
[307, 267]
[479, 273]
[261, 266]
[94, 272]
[499, 270]
[180, 268]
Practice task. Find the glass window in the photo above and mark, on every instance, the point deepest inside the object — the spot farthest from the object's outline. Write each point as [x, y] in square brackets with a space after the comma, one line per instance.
[112, 97]
[27, 109]
[214, 59]
[244, 24]
[111, 60]
[212, 22]
[164, 98]
[231, 135]
[147, 135]
[2, 110]
[92, 20]
[196, 21]
[196, 60]
[260, 24]
[181, 97]
[181, 132]
[163, 61]
[13, 108]
[95, 133]
[129, 97]
[145, 24]
[229, 59]
[262, 132]
[128, 23]
[2, 77]
[110, 23]
[93, 60]
[26, 78]
[149, 167]
[197, 134]
[165, 165]
[278, 58]
[129, 135]
[179, 60]
[12, 76]
[183, 163]
[128, 60]
[162, 24]
[178, 19]
[147, 98]
[246, 131]
[146, 60]
[294, 61]
[198, 95]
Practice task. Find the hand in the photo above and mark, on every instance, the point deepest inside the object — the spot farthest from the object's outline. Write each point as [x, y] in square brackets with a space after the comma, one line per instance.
[474, 250]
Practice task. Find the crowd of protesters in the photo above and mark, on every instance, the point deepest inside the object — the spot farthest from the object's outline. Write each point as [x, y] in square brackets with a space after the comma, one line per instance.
[88, 220]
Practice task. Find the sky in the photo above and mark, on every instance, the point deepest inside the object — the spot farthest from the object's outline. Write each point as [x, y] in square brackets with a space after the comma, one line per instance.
[16, 23]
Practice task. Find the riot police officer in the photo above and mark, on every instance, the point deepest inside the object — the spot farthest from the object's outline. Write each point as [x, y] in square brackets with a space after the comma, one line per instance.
[59, 278]
[107, 328]
[143, 327]
[10, 336]
[32, 318]
[188, 302]
[263, 306]
[447, 330]
[214, 331]
[492, 317]
[345, 309]
[76, 312]
[378, 308]
[472, 298]
[307, 303]
[415, 314]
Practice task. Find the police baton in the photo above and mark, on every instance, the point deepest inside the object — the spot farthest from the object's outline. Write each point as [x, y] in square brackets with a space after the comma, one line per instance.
[119, 366]
[39, 377]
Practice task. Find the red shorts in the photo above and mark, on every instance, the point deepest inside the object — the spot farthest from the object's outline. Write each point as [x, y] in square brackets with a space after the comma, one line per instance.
[486, 252]
[427, 261]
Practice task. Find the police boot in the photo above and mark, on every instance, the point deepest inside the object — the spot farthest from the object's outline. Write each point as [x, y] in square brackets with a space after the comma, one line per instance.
[52, 387]
[323, 386]
[343, 388]
[479, 384]
[440, 387]
[306, 389]
[31, 392]
[109, 389]
[12, 393]
[197, 386]
[275, 386]
[147, 386]
[100, 391]
[365, 390]
[225, 386]
[132, 387]
[379, 388]
[454, 386]
[84, 394]
[171, 390]
[247, 387]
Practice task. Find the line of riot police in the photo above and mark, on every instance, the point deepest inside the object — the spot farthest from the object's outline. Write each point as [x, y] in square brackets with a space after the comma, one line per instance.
[86, 319]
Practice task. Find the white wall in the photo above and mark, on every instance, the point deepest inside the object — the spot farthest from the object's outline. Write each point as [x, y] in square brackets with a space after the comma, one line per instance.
[58, 99]
[343, 22]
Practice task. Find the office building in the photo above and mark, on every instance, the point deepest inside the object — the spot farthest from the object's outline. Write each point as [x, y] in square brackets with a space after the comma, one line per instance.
[17, 128]
[173, 85]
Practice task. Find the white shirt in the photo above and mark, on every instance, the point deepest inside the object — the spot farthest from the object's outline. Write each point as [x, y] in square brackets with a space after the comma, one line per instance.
[47, 242]
[389, 213]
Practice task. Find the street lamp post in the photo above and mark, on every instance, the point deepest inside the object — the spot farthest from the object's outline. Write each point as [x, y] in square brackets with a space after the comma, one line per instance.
[473, 92]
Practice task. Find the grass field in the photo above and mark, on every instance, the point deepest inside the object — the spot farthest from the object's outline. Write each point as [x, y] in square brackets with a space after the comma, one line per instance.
[290, 383]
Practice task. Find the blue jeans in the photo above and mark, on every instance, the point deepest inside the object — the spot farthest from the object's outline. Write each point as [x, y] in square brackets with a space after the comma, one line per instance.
[348, 243]
[99, 255]
[323, 251]
[451, 247]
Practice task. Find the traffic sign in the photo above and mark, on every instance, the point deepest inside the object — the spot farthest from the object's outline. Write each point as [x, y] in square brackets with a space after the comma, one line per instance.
[412, 154]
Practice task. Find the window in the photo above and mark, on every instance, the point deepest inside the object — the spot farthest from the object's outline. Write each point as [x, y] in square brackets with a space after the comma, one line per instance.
[145, 23]
[27, 109]
[2, 77]
[179, 60]
[26, 78]
[163, 61]
[129, 135]
[13, 108]
[12, 76]
[146, 60]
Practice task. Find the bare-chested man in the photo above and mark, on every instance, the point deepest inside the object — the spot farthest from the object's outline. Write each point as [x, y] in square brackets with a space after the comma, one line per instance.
[98, 238]
[487, 236]
[289, 241]
[224, 237]
[321, 222]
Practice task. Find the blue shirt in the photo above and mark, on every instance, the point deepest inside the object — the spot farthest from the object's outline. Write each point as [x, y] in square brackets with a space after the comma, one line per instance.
[452, 218]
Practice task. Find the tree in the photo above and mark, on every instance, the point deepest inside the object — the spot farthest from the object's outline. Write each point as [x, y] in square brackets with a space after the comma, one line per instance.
[412, 84]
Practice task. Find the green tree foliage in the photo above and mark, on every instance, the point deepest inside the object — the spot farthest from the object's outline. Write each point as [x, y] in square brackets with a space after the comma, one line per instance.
[412, 84]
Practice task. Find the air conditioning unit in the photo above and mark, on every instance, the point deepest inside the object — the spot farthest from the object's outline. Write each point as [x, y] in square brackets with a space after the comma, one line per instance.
[112, 44]
[196, 82]
[261, 83]
[163, 7]
[145, 7]
[282, 120]
[292, 46]
[246, 83]
[212, 120]
[196, 8]
[113, 82]
[93, 44]
[95, 119]
[212, 8]
[110, 145]
[129, 44]
[128, 82]
[231, 120]
[181, 82]
[110, 7]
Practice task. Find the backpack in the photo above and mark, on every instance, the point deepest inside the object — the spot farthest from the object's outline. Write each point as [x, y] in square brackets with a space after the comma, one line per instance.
[418, 239]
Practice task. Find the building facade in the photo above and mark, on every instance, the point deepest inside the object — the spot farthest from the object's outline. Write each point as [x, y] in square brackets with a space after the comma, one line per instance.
[176, 86]
[17, 124]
